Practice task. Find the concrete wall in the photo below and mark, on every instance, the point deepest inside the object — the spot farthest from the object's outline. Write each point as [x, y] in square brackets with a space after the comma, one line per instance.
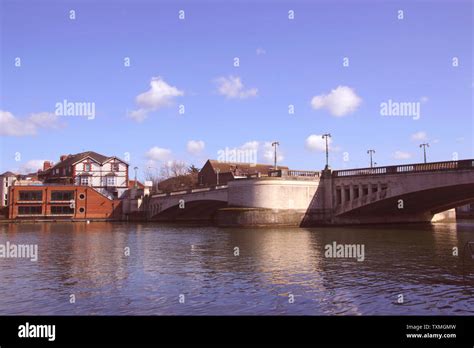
[272, 193]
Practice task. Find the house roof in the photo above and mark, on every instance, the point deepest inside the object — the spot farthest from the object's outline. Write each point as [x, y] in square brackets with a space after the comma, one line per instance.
[131, 183]
[71, 159]
[8, 173]
[243, 168]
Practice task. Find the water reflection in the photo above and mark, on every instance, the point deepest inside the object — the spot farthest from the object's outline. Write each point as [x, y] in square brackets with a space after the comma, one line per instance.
[202, 263]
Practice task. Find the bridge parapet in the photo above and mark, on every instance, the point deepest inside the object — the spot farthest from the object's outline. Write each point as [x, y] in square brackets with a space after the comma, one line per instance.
[406, 168]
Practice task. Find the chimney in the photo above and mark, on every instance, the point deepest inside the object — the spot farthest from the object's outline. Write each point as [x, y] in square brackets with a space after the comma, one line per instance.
[46, 165]
[63, 157]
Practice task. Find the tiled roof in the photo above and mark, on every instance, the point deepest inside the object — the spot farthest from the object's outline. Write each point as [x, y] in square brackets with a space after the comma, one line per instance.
[71, 159]
[8, 173]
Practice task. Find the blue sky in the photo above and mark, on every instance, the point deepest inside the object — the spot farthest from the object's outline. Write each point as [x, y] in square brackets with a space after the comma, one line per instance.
[282, 62]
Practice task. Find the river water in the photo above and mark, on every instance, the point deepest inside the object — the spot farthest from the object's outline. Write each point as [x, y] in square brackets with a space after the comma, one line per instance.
[177, 270]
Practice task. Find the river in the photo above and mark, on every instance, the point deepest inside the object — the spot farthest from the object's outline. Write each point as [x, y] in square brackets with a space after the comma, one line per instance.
[157, 269]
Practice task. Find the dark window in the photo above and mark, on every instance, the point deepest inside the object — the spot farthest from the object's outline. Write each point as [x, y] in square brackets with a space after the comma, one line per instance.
[81, 209]
[347, 192]
[61, 209]
[365, 190]
[338, 196]
[115, 167]
[30, 210]
[82, 196]
[31, 195]
[62, 195]
[356, 191]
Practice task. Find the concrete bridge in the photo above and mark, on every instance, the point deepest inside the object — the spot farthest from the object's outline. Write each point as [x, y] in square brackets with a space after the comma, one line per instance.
[404, 193]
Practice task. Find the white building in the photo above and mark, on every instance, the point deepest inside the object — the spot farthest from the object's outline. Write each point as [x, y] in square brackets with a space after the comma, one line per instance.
[108, 175]
[6, 180]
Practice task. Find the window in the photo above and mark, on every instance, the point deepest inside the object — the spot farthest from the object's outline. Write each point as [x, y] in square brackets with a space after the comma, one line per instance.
[62, 209]
[30, 210]
[31, 195]
[110, 181]
[365, 190]
[84, 180]
[6, 202]
[81, 210]
[62, 195]
[87, 167]
[115, 167]
[347, 193]
[338, 196]
[82, 196]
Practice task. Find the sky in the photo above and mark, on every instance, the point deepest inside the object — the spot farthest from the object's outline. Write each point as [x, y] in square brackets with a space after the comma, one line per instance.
[186, 80]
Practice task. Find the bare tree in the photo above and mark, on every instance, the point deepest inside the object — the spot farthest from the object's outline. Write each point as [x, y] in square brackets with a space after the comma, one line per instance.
[172, 175]
[173, 168]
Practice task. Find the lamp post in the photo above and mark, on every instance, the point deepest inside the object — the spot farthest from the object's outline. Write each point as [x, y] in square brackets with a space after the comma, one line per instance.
[327, 136]
[136, 183]
[275, 144]
[424, 150]
[370, 152]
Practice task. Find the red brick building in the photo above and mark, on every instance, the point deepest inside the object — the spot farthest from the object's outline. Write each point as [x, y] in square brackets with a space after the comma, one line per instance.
[61, 202]
[225, 171]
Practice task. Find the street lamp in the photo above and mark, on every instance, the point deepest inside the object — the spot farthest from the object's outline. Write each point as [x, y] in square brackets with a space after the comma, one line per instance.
[136, 184]
[326, 136]
[370, 152]
[275, 144]
[424, 149]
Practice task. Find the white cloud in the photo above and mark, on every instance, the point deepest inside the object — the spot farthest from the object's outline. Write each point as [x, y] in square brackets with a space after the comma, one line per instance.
[11, 125]
[195, 147]
[269, 153]
[31, 166]
[419, 136]
[158, 154]
[260, 51]
[250, 145]
[160, 94]
[45, 120]
[233, 88]
[339, 102]
[316, 142]
[424, 99]
[138, 115]
[402, 155]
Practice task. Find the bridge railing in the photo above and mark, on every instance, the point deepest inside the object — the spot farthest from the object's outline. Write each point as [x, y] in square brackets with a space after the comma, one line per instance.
[306, 173]
[293, 173]
[407, 168]
[184, 192]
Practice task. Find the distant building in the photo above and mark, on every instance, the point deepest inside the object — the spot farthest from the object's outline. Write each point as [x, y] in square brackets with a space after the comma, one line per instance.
[61, 202]
[108, 175]
[465, 211]
[6, 180]
[226, 171]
